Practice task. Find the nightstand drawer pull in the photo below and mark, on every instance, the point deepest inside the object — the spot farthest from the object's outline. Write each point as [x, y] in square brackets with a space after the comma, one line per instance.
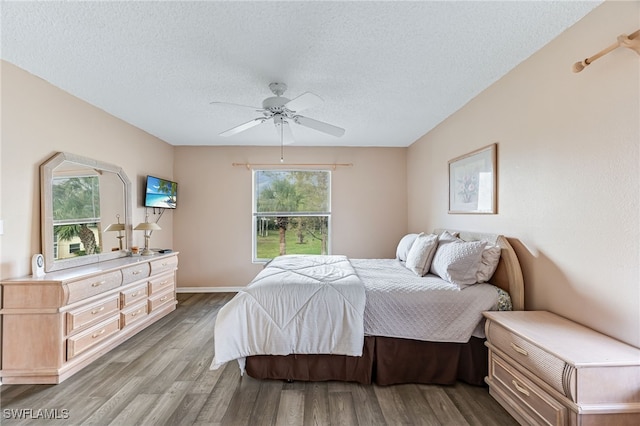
[101, 332]
[520, 388]
[135, 272]
[519, 349]
[162, 299]
[136, 312]
[134, 294]
[98, 284]
[95, 311]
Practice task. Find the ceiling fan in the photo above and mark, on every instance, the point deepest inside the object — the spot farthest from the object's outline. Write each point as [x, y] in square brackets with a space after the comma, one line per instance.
[283, 111]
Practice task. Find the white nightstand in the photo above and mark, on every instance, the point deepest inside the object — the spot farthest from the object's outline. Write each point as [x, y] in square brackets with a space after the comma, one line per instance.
[545, 369]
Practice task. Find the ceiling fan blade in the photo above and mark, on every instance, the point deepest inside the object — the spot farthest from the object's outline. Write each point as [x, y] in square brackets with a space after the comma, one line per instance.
[319, 125]
[304, 101]
[243, 127]
[237, 105]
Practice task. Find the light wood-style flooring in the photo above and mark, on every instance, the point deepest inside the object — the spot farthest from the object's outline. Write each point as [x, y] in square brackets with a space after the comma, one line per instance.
[161, 376]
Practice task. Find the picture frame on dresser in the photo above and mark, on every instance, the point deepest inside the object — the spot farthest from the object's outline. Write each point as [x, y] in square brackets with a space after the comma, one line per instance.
[473, 182]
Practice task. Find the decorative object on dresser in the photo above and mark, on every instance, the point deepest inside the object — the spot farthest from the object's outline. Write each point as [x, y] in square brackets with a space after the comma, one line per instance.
[57, 324]
[37, 265]
[148, 228]
[545, 369]
[117, 227]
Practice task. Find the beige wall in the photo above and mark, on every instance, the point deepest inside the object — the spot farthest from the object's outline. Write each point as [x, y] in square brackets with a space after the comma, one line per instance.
[568, 162]
[213, 219]
[39, 120]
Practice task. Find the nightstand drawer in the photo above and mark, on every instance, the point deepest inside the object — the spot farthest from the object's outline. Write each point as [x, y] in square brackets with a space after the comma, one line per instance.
[538, 361]
[540, 404]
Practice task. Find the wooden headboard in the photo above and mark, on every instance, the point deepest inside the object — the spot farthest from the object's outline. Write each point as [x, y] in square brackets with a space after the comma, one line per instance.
[508, 275]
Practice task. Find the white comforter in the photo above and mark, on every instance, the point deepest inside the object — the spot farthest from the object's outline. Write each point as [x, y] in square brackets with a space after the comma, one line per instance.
[296, 305]
[401, 304]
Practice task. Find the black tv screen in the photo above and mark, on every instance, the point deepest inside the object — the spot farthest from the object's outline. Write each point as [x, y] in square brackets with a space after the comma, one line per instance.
[161, 193]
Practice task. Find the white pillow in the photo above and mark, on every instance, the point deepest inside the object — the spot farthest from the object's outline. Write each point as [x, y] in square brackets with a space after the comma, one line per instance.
[457, 261]
[447, 237]
[404, 246]
[421, 253]
[488, 263]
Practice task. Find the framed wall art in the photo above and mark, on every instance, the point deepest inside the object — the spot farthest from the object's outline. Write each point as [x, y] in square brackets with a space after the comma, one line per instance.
[473, 182]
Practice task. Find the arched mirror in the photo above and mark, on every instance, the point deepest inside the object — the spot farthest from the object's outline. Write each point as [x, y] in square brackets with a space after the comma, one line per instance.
[86, 211]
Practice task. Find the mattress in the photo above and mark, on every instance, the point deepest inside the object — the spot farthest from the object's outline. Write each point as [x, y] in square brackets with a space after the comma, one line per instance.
[401, 304]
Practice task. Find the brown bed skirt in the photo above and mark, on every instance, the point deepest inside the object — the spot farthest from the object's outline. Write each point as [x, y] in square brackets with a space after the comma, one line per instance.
[384, 361]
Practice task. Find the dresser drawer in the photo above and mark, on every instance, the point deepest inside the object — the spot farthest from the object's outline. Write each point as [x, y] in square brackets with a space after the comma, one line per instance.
[540, 404]
[133, 295]
[541, 363]
[97, 284]
[89, 315]
[160, 299]
[83, 341]
[165, 264]
[161, 283]
[133, 314]
[135, 273]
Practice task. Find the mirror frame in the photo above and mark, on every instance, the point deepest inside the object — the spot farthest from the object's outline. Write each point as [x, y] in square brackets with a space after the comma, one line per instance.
[46, 208]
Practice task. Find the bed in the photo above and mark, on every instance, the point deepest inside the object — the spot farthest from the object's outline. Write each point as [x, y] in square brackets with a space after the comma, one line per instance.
[398, 338]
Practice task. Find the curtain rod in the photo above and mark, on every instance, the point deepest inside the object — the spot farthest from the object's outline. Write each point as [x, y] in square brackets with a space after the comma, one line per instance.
[631, 41]
[332, 165]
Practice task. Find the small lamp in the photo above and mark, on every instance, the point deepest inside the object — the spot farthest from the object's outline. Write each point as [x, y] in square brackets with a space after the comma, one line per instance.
[117, 227]
[147, 227]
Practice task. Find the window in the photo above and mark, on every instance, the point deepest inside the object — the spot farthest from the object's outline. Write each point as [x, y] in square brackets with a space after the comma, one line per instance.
[76, 214]
[291, 212]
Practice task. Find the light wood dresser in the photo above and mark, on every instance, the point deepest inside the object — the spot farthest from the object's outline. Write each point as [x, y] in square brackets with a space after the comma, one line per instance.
[547, 370]
[56, 325]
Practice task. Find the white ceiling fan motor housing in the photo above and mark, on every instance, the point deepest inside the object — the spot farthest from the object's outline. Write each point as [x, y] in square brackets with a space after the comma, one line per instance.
[274, 103]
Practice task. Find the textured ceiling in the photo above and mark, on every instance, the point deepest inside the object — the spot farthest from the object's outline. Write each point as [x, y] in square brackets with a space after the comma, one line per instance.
[388, 71]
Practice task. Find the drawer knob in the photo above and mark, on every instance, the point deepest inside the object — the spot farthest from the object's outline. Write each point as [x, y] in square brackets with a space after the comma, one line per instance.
[135, 272]
[164, 282]
[136, 312]
[165, 264]
[98, 284]
[134, 294]
[95, 311]
[101, 332]
[162, 299]
[520, 388]
[519, 349]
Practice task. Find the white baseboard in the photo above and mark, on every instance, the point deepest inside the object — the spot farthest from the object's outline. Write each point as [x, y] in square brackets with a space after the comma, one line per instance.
[208, 289]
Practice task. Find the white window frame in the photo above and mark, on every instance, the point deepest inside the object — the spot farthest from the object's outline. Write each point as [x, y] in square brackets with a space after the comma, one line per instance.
[255, 214]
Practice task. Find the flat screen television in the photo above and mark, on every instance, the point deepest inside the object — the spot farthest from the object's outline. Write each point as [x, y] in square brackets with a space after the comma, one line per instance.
[161, 193]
